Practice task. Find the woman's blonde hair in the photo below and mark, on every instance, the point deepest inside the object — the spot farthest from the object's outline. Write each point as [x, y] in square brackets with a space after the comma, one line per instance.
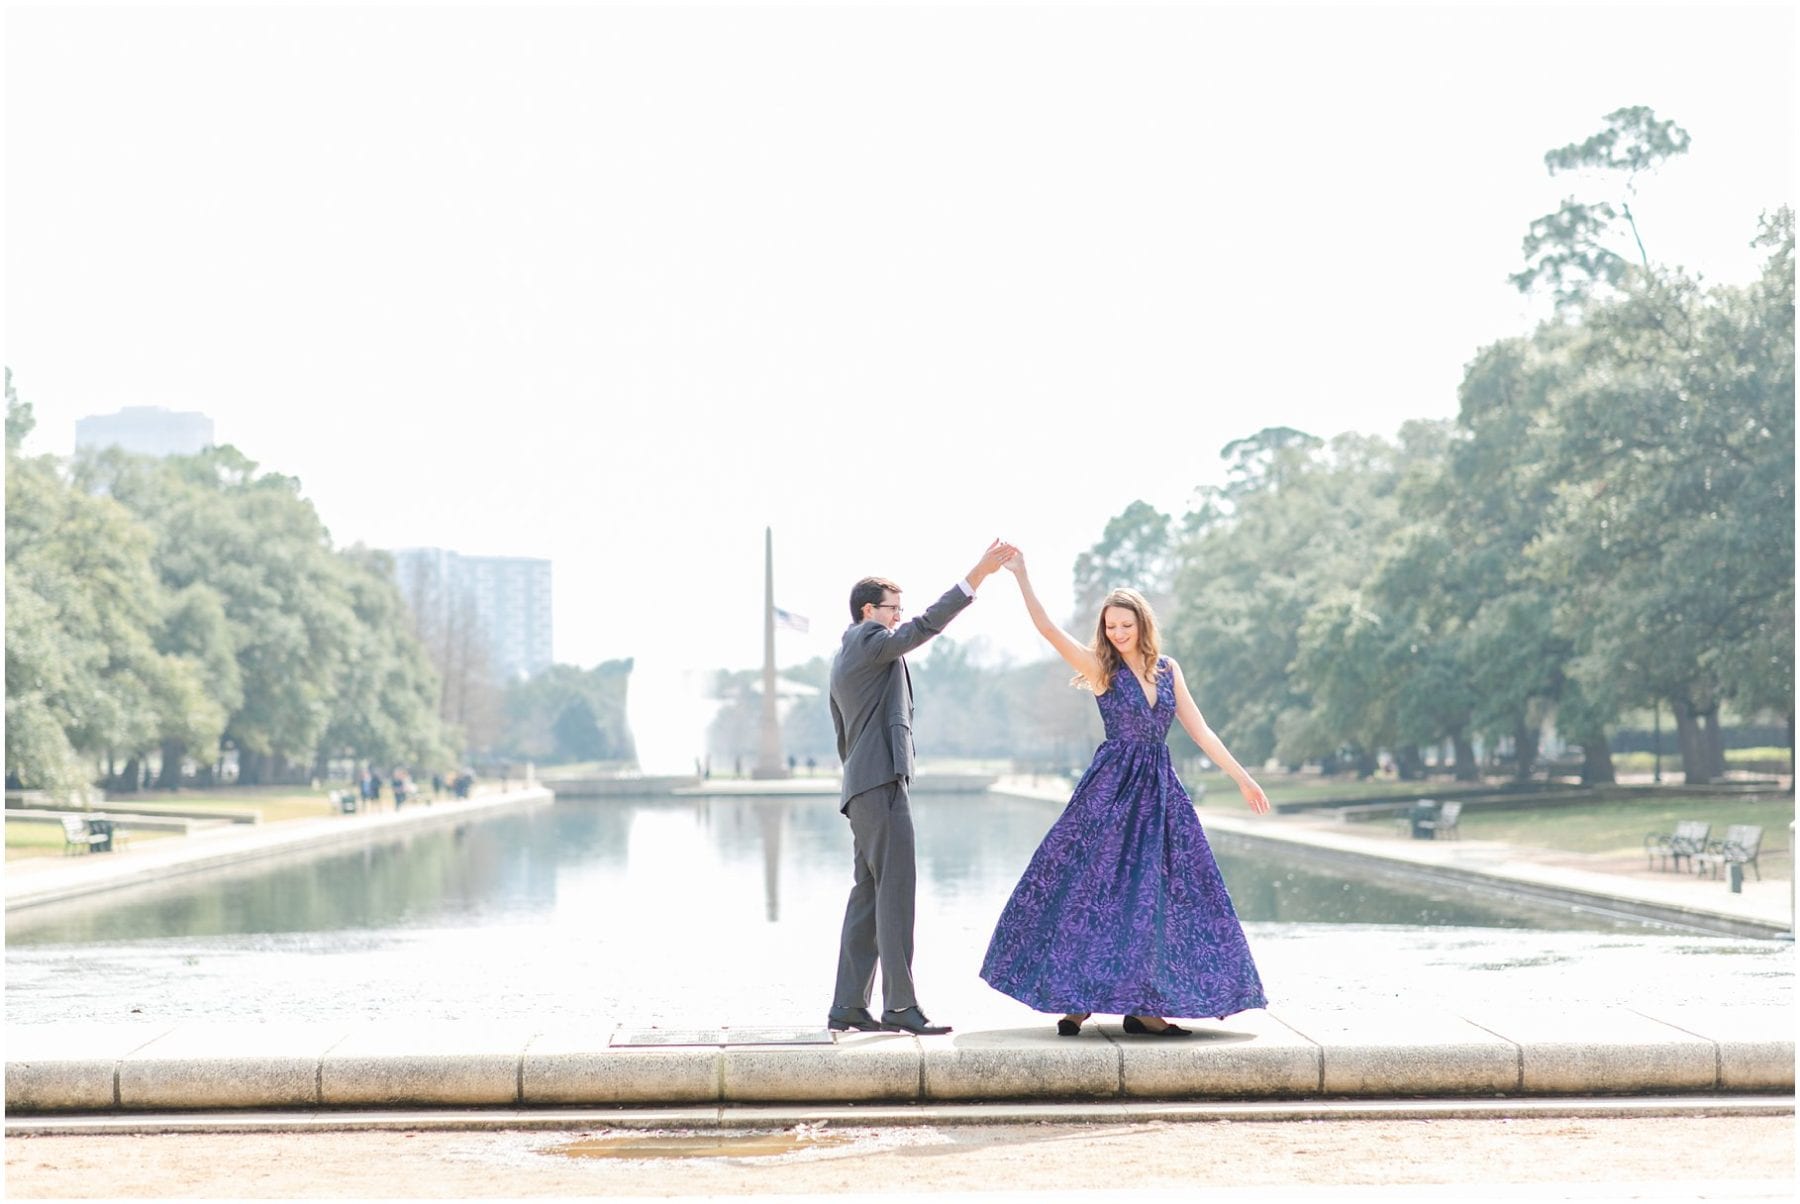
[1108, 656]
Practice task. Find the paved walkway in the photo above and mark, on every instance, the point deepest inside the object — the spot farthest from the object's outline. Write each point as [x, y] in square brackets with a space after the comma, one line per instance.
[1477, 1050]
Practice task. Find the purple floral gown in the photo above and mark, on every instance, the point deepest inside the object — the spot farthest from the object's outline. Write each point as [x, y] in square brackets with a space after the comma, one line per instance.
[1122, 909]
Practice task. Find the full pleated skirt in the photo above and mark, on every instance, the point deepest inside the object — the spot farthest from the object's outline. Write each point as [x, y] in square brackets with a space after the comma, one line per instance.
[1122, 909]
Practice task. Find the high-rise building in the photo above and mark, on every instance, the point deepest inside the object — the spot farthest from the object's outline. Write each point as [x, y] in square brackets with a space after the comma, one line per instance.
[502, 602]
[147, 430]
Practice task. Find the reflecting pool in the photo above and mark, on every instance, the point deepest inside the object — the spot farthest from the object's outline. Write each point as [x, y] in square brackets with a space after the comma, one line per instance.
[710, 911]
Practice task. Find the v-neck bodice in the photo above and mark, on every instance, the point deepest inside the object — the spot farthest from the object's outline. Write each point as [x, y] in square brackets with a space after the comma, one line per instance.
[1126, 709]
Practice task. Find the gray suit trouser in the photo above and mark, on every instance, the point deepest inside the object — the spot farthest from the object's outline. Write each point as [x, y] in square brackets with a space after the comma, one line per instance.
[878, 920]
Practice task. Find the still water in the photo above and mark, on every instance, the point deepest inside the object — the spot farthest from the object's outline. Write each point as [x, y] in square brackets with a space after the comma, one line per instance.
[714, 911]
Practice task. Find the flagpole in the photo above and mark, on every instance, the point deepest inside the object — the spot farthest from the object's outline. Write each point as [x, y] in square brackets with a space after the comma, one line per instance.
[769, 763]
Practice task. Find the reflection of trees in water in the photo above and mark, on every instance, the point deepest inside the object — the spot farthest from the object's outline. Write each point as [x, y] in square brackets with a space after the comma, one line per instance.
[770, 813]
[969, 846]
[965, 840]
[740, 829]
[1267, 887]
[594, 830]
[438, 874]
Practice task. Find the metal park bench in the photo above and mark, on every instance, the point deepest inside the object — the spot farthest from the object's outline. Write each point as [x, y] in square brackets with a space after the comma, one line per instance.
[1428, 819]
[86, 835]
[1689, 838]
[1445, 825]
[1741, 847]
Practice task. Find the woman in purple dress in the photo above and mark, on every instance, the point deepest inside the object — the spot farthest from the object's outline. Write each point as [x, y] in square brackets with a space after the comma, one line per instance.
[1122, 909]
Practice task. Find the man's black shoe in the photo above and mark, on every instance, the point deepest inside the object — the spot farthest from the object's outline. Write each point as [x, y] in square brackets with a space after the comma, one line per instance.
[841, 1019]
[912, 1020]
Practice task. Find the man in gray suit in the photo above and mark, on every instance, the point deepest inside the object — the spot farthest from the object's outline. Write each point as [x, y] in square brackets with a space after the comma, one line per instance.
[872, 710]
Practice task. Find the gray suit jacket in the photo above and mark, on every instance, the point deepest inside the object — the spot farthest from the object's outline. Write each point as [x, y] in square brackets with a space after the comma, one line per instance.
[871, 695]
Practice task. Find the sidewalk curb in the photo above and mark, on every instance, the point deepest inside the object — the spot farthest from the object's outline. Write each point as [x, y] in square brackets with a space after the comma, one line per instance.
[1255, 1056]
[758, 1117]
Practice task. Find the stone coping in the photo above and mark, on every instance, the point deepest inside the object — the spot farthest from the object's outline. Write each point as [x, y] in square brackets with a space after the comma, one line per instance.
[725, 1118]
[1260, 1055]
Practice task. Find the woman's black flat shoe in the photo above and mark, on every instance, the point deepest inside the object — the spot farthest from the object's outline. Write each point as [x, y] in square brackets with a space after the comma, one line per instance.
[1136, 1026]
[1068, 1028]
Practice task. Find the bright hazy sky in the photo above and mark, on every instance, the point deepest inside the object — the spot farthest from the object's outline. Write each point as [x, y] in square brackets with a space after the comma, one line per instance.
[618, 286]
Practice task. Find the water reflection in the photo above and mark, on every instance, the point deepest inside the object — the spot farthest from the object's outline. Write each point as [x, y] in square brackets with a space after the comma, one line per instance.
[701, 908]
[526, 865]
[769, 816]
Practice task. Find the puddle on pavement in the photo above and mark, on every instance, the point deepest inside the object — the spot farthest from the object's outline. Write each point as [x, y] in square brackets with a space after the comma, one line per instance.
[706, 1145]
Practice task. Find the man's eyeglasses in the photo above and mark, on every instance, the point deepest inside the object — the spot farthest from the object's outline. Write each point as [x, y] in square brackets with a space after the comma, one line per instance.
[893, 606]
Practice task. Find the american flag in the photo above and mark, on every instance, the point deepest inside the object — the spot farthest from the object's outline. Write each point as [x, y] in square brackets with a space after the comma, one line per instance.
[791, 621]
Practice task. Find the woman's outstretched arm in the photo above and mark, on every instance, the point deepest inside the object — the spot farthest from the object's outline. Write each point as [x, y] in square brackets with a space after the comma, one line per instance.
[1210, 744]
[1080, 659]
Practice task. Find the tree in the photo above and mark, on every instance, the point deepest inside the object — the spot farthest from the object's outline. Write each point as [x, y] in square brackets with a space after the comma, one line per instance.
[1344, 656]
[170, 604]
[1134, 551]
[259, 546]
[566, 713]
[384, 708]
[447, 624]
[577, 733]
[1568, 249]
[1300, 520]
[1672, 535]
[1421, 660]
[195, 626]
[84, 675]
[1486, 508]
[1264, 461]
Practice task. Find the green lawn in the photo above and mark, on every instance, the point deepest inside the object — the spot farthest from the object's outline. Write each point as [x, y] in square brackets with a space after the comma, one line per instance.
[46, 840]
[1620, 827]
[1735, 758]
[273, 803]
[1306, 788]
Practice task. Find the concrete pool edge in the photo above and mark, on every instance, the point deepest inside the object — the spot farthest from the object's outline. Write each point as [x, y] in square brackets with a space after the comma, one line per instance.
[1290, 1055]
[1765, 910]
[729, 1117]
[1541, 885]
[40, 881]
